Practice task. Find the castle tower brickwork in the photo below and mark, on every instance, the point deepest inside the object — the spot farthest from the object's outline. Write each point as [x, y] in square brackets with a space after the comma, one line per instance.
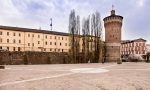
[113, 25]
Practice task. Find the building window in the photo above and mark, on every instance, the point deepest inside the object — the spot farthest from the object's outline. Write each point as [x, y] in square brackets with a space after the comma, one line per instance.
[65, 44]
[50, 43]
[28, 44]
[14, 41]
[58, 50]
[7, 33]
[45, 43]
[32, 44]
[32, 35]
[1, 33]
[60, 44]
[14, 34]
[62, 50]
[38, 42]
[46, 36]
[7, 40]
[62, 38]
[50, 49]
[19, 41]
[19, 34]
[19, 49]
[38, 36]
[55, 43]
[55, 50]
[7, 48]
[58, 38]
[55, 37]
[1, 40]
[13, 48]
[0, 47]
[28, 35]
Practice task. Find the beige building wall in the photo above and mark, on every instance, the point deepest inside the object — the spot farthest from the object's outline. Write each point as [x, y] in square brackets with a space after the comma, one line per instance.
[11, 40]
[23, 40]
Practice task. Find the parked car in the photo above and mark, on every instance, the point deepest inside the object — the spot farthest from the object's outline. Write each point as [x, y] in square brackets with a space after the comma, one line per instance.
[125, 59]
[135, 58]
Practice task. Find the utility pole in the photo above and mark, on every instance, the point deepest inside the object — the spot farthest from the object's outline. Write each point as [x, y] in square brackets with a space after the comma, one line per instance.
[51, 23]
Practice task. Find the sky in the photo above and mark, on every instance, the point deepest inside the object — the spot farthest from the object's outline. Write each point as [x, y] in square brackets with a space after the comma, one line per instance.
[37, 13]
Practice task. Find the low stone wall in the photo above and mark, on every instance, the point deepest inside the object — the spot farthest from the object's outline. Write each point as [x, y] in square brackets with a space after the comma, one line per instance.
[17, 58]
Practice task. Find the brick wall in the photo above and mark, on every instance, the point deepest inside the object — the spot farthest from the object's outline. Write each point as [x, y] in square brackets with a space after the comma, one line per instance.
[13, 58]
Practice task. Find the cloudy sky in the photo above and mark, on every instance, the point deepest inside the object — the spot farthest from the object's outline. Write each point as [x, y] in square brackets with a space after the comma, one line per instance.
[37, 13]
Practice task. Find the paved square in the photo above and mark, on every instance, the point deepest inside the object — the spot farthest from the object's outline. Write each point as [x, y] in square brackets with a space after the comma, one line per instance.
[108, 76]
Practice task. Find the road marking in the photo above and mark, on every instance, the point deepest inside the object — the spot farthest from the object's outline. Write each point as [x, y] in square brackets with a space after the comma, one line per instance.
[33, 69]
[41, 78]
[34, 79]
[108, 66]
[131, 69]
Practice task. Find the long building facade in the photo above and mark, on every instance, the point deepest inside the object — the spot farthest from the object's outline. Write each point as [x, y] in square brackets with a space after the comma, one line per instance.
[133, 47]
[24, 39]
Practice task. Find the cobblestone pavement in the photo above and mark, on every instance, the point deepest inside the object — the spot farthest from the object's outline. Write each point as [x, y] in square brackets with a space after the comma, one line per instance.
[108, 76]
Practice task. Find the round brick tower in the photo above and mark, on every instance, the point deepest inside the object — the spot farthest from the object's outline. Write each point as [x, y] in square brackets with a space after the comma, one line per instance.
[113, 24]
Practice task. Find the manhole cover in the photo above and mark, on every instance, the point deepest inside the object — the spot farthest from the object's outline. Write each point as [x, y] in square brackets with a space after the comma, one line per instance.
[89, 70]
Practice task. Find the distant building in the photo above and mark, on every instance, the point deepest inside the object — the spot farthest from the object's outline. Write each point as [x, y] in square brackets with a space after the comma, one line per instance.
[133, 47]
[113, 25]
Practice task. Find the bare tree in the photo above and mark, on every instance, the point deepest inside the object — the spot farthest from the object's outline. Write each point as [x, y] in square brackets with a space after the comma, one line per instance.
[74, 30]
[92, 45]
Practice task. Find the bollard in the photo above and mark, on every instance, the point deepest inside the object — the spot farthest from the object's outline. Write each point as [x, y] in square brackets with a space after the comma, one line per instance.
[2, 67]
[119, 61]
